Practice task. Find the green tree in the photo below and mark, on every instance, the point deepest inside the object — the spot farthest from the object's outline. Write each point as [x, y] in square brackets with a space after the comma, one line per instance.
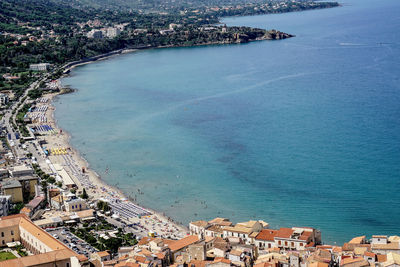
[84, 194]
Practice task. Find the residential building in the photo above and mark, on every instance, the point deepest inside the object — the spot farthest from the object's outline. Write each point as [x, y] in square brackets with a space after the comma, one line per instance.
[40, 67]
[21, 170]
[12, 188]
[244, 230]
[297, 238]
[266, 239]
[75, 204]
[56, 202]
[112, 32]
[28, 186]
[47, 250]
[5, 202]
[214, 231]
[198, 228]
[101, 256]
[35, 204]
[178, 247]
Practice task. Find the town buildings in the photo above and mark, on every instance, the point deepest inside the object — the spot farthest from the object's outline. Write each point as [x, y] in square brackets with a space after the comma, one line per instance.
[40, 67]
[5, 202]
[46, 250]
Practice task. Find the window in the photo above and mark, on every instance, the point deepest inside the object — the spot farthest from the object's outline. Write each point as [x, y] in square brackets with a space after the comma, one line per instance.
[292, 244]
[279, 242]
[12, 232]
[2, 241]
[13, 239]
[269, 245]
[67, 264]
[285, 243]
[2, 234]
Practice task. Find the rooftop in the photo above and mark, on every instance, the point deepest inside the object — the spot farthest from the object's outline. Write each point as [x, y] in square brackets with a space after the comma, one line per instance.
[200, 223]
[35, 202]
[284, 233]
[11, 183]
[184, 242]
[39, 259]
[267, 235]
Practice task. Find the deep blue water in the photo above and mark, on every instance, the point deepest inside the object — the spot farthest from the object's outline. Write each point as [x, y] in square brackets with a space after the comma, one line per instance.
[303, 131]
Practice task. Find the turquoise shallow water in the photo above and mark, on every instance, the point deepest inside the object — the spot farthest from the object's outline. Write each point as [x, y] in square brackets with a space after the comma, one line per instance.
[304, 131]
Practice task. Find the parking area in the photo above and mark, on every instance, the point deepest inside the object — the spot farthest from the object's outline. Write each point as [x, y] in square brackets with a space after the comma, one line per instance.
[72, 241]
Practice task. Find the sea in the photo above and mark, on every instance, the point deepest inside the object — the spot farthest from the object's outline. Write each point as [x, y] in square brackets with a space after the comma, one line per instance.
[297, 132]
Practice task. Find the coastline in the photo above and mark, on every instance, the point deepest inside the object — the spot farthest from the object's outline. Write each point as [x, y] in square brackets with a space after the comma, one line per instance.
[157, 222]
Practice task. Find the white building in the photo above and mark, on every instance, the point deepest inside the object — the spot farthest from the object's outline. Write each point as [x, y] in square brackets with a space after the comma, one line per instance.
[198, 228]
[21, 170]
[112, 32]
[76, 204]
[39, 67]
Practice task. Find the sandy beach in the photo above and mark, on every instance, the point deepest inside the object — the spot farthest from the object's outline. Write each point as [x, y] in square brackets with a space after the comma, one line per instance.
[74, 164]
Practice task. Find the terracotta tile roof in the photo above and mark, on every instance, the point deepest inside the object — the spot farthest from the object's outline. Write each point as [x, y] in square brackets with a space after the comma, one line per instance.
[357, 240]
[215, 228]
[305, 236]
[264, 264]
[238, 229]
[127, 264]
[184, 242]
[82, 257]
[369, 254]
[168, 241]
[236, 252]
[145, 252]
[267, 235]
[337, 249]
[391, 246]
[220, 259]
[284, 233]
[145, 240]
[39, 259]
[200, 223]
[381, 258]
[197, 263]
[103, 254]
[25, 210]
[209, 239]
[318, 264]
[160, 255]
[310, 245]
[43, 236]
[35, 202]
[141, 259]
[221, 222]
[360, 261]
[11, 220]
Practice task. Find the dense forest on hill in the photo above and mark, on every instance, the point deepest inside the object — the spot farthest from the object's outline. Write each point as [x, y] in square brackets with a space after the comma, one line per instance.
[57, 31]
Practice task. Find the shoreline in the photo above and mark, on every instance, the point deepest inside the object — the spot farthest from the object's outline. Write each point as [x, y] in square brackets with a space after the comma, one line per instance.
[101, 189]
